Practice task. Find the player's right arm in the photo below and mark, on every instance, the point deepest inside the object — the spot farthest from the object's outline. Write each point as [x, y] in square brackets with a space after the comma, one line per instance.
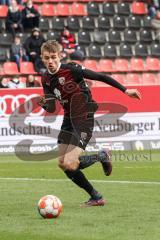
[47, 102]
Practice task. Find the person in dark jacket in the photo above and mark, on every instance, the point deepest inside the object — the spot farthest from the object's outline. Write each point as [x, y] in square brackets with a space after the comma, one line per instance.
[17, 51]
[30, 16]
[33, 45]
[14, 19]
[32, 82]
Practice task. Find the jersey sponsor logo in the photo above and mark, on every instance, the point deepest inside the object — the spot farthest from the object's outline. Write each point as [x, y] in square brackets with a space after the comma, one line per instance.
[61, 80]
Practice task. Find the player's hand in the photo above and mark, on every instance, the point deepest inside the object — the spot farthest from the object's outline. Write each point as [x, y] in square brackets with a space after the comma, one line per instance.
[134, 93]
[42, 101]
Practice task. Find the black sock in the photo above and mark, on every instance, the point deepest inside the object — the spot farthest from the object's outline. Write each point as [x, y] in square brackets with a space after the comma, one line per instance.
[79, 178]
[88, 160]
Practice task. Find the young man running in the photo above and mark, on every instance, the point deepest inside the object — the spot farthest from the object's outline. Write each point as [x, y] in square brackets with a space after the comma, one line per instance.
[65, 82]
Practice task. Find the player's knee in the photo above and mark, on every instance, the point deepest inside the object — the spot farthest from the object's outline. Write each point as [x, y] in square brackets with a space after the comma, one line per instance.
[71, 166]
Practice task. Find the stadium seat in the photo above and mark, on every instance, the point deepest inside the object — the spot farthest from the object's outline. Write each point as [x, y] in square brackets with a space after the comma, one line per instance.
[121, 65]
[106, 65]
[99, 37]
[73, 23]
[158, 78]
[3, 55]
[141, 50]
[47, 10]
[63, 9]
[114, 36]
[137, 65]
[1, 27]
[123, 8]
[145, 36]
[90, 64]
[125, 50]
[94, 51]
[6, 39]
[10, 68]
[119, 78]
[119, 22]
[43, 24]
[3, 11]
[130, 36]
[139, 8]
[104, 23]
[84, 37]
[88, 23]
[146, 22]
[134, 22]
[58, 23]
[110, 51]
[2, 73]
[27, 68]
[78, 9]
[148, 79]
[82, 49]
[152, 64]
[132, 79]
[53, 35]
[108, 8]
[93, 9]
[155, 50]
[24, 36]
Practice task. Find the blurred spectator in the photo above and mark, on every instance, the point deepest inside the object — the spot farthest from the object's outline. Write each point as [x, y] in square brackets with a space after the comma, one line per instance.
[155, 22]
[8, 2]
[3, 82]
[17, 52]
[14, 19]
[69, 46]
[153, 6]
[15, 83]
[33, 48]
[31, 82]
[30, 16]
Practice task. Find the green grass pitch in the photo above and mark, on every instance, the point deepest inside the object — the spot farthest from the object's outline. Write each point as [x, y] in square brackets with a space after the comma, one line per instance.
[132, 211]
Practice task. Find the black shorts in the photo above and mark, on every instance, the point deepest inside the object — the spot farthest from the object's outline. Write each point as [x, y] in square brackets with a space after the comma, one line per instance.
[77, 132]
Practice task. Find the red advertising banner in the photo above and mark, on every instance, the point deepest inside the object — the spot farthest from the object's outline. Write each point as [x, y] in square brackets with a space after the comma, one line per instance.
[10, 99]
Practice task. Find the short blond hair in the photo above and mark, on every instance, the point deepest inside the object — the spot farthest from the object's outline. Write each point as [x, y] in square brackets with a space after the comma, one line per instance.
[51, 46]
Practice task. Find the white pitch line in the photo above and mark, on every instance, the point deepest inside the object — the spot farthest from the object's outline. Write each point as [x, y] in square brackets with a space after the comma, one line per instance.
[67, 180]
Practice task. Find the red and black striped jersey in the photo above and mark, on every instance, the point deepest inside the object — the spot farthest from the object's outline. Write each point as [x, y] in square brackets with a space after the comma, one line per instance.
[69, 87]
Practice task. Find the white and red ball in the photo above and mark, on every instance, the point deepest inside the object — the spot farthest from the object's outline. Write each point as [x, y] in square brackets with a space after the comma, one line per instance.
[49, 206]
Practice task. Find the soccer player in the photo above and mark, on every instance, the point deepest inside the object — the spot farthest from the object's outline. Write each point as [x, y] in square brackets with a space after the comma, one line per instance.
[65, 82]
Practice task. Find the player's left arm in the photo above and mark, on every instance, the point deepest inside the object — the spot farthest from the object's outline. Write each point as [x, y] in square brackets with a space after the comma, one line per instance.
[89, 74]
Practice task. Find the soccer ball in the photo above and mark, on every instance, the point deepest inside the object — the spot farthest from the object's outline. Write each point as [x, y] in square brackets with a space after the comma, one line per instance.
[49, 206]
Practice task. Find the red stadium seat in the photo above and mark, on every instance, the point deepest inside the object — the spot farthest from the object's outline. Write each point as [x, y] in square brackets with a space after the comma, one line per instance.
[121, 65]
[132, 79]
[3, 11]
[90, 64]
[27, 68]
[47, 10]
[2, 71]
[149, 79]
[152, 64]
[63, 9]
[158, 78]
[139, 8]
[106, 65]
[137, 64]
[119, 78]
[10, 68]
[79, 9]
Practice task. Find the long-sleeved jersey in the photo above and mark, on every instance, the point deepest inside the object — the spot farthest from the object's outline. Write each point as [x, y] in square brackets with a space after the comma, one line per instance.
[69, 87]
